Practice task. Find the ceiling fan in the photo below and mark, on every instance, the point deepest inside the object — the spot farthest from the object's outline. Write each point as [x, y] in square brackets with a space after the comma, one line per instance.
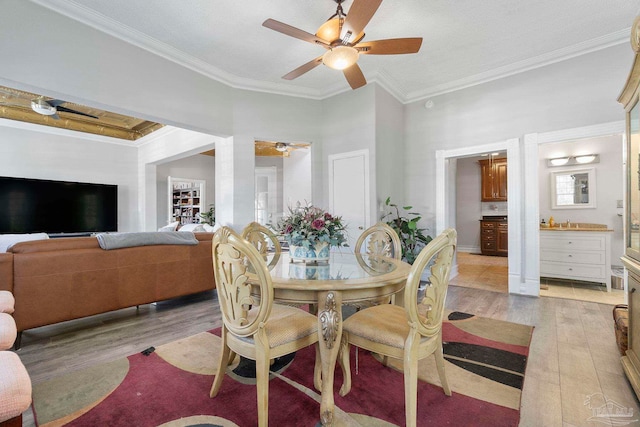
[341, 35]
[282, 147]
[52, 107]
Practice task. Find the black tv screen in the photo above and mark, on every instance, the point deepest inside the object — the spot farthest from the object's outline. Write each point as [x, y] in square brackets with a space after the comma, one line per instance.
[57, 207]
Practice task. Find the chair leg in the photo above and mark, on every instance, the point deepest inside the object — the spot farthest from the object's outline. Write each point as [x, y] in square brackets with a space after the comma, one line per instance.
[343, 358]
[262, 386]
[317, 370]
[223, 362]
[440, 367]
[410, 384]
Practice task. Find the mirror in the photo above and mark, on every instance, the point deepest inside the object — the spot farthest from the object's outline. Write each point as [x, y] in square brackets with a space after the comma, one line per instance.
[573, 189]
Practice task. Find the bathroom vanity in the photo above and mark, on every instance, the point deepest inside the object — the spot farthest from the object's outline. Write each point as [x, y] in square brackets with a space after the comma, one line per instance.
[578, 253]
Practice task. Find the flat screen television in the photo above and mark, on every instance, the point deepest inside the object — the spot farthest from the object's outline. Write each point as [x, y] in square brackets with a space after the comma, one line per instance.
[57, 207]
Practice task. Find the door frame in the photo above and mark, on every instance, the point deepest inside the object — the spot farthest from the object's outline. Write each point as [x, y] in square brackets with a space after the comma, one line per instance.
[445, 199]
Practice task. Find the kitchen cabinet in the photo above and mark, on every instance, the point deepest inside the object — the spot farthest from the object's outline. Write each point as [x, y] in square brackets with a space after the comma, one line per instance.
[493, 174]
[494, 236]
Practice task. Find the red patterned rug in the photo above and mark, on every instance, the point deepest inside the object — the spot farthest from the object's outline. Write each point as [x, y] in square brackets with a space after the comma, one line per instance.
[169, 386]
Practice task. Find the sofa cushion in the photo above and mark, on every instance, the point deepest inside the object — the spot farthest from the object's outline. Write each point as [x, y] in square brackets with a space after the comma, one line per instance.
[15, 386]
[8, 240]
[173, 226]
[195, 228]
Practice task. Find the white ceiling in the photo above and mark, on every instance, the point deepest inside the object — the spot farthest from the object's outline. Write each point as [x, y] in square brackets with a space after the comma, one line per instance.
[465, 42]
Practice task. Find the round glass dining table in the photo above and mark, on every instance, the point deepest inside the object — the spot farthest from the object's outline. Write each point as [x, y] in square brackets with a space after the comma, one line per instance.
[346, 277]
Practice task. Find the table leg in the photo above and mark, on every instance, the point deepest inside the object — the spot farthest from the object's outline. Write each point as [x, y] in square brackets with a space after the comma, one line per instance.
[330, 334]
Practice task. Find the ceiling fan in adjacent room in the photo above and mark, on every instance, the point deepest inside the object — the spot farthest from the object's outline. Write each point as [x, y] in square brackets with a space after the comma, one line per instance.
[267, 148]
[51, 108]
[341, 35]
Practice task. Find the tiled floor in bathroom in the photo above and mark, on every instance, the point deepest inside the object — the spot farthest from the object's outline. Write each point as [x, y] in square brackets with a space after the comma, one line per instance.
[491, 273]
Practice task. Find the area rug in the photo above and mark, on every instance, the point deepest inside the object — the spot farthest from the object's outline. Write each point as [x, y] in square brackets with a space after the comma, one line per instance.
[169, 385]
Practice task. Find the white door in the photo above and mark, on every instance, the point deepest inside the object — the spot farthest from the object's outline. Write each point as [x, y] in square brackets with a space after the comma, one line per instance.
[349, 191]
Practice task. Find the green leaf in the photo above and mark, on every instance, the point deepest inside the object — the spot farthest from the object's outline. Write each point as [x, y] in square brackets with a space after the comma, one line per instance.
[386, 202]
[412, 225]
[406, 208]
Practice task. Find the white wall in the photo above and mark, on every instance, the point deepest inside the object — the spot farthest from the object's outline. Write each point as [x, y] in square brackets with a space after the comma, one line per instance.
[578, 92]
[388, 155]
[609, 189]
[34, 154]
[468, 205]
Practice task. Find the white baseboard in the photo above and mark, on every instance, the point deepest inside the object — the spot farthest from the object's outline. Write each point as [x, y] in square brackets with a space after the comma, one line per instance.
[469, 249]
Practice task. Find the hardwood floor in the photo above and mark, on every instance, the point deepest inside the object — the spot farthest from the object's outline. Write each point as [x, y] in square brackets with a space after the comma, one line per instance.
[573, 350]
[492, 273]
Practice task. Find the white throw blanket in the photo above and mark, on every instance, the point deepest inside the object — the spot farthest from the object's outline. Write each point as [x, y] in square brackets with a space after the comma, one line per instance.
[128, 240]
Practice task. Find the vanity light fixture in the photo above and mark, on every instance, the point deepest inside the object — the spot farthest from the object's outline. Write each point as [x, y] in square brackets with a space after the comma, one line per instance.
[588, 158]
[560, 161]
[582, 159]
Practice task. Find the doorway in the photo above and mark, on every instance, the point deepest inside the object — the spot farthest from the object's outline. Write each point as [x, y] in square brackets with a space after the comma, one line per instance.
[446, 162]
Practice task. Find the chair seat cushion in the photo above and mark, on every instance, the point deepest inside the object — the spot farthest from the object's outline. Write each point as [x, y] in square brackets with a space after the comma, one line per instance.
[15, 386]
[7, 302]
[287, 324]
[385, 324]
[8, 331]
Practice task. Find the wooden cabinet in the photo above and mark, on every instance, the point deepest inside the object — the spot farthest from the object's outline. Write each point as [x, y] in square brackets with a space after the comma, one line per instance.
[493, 174]
[494, 237]
[576, 255]
[631, 259]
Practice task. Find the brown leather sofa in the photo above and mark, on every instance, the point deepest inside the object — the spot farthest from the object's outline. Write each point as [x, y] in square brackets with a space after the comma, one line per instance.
[63, 279]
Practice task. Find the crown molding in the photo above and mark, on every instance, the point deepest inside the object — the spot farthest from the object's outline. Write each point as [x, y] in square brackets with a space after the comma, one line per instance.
[82, 14]
[539, 61]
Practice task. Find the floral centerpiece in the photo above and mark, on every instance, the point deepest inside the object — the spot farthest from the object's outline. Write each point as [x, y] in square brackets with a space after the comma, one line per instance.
[310, 232]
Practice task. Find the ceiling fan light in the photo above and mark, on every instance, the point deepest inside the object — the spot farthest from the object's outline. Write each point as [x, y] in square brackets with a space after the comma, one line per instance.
[41, 106]
[340, 57]
[281, 146]
[330, 30]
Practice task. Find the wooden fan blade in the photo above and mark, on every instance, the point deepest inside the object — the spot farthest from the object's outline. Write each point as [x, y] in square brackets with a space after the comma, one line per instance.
[390, 46]
[288, 30]
[360, 13]
[303, 69]
[354, 76]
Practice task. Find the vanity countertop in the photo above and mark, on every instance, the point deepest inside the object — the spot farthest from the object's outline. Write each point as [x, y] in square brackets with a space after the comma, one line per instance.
[574, 228]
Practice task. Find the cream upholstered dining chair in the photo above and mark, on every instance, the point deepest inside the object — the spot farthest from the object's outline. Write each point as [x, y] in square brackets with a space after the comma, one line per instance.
[264, 241]
[409, 333]
[253, 326]
[381, 240]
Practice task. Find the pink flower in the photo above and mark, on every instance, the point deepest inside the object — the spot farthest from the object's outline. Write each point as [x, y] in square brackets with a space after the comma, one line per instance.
[327, 216]
[317, 224]
[289, 229]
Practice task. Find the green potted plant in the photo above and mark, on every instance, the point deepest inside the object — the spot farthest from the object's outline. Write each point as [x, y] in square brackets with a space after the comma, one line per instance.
[209, 217]
[412, 238]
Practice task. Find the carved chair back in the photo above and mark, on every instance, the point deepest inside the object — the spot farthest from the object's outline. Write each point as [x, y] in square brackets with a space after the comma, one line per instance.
[244, 307]
[427, 311]
[264, 241]
[379, 239]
